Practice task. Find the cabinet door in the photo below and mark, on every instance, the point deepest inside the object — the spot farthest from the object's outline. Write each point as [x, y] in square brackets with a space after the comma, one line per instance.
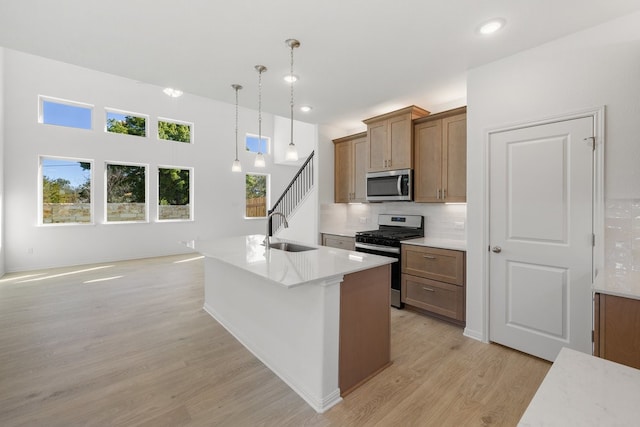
[437, 297]
[454, 158]
[377, 137]
[400, 142]
[428, 162]
[618, 329]
[343, 172]
[359, 165]
[443, 265]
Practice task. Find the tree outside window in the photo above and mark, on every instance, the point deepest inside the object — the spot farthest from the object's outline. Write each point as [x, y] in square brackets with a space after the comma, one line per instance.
[66, 191]
[126, 193]
[173, 194]
[172, 131]
[126, 124]
[256, 195]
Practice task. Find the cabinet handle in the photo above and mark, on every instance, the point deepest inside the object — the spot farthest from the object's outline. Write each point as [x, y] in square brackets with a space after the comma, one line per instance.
[444, 193]
[429, 257]
[428, 289]
[389, 163]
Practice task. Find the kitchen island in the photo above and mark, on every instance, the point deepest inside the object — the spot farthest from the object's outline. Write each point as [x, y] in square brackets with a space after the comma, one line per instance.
[318, 318]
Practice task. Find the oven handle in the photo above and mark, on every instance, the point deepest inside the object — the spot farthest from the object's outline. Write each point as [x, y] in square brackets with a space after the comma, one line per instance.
[388, 249]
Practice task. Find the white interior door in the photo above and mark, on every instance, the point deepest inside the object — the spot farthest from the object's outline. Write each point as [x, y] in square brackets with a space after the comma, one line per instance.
[541, 237]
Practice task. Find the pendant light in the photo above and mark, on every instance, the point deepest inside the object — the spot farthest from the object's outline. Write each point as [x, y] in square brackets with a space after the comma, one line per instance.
[259, 161]
[236, 167]
[292, 151]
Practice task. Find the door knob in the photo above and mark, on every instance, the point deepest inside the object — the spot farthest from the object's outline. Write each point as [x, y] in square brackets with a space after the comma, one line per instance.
[497, 249]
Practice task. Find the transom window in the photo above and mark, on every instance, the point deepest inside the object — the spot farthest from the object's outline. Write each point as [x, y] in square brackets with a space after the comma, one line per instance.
[172, 130]
[126, 123]
[254, 144]
[65, 113]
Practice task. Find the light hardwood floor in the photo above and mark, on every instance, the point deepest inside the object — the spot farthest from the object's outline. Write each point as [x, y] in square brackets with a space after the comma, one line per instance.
[136, 349]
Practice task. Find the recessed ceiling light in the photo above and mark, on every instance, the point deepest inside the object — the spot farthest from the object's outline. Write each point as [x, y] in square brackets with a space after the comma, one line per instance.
[306, 108]
[492, 26]
[290, 78]
[174, 93]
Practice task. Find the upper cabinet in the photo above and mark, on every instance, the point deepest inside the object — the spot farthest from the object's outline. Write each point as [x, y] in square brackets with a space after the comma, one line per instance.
[390, 139]
[350, 157]
[440, 150]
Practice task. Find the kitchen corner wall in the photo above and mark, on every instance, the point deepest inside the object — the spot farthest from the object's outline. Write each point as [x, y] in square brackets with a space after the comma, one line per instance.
[445, 221]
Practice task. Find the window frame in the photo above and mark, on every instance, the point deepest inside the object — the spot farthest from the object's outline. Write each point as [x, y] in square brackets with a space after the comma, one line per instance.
[267, 195]
[106, 198]
[40, 204]
[178, 122]
[45, 98]
[191, 193]
[146, 118]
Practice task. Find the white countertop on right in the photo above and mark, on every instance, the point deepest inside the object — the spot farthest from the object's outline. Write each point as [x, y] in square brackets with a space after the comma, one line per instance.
[584, 390]
[434, 242]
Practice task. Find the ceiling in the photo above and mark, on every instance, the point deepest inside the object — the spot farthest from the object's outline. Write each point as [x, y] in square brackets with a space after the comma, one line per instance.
[357, 59]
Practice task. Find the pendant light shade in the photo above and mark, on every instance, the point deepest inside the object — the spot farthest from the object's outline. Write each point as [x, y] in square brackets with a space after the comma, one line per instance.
[259, 161]
[292, 152]
[236, 167]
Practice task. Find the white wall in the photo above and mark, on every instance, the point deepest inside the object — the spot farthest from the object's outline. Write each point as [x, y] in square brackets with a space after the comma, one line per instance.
[595, 67]
[2, 160]
[219, 193]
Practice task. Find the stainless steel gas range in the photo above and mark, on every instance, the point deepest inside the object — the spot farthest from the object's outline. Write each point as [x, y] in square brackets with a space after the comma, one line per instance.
[385, 241]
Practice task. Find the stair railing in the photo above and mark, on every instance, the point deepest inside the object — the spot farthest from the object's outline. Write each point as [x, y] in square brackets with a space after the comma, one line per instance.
[291, 197]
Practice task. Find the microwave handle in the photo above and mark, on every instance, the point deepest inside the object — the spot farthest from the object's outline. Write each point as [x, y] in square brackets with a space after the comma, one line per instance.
[399, 185]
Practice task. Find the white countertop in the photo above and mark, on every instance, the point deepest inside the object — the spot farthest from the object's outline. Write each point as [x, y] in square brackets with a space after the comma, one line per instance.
[583, 390]
[286, 268]
[622, 283]
[433, 242]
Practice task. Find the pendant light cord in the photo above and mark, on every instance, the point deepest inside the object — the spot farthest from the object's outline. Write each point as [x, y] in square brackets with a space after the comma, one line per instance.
[237, 88]
[260, 70]
[291, 104]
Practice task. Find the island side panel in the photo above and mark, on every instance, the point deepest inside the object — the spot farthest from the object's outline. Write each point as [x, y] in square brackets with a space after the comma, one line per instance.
[365, 324]
[293, 331]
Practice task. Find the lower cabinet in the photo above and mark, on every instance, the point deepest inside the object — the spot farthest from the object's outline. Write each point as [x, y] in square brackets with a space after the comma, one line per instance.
[433, 281]
[617, 329]
[340, 242]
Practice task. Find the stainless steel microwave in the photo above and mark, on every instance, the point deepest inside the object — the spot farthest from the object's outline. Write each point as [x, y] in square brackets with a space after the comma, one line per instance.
[389, 186]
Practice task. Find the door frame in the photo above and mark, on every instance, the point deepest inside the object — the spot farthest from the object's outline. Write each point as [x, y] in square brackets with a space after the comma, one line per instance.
[598, 207]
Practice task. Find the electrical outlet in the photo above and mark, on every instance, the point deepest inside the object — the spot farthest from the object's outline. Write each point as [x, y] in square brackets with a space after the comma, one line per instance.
[458, 225]
[363, 220]
[30, 251]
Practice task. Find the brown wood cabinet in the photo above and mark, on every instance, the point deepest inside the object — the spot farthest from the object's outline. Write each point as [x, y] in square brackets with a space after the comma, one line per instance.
[390, 139]
[433, 280]
[617, 329]
[365, 326]
[350, 157]
[340, 242]
[440, 157]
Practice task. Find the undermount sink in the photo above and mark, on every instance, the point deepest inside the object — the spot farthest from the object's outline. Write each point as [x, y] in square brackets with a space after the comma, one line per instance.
[290, 247]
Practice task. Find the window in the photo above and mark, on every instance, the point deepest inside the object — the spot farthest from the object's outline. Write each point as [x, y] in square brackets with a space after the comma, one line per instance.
[126, 188]
[65, 113]
[126, 123]
[257, 145]
[66, 191]
[174, 194]
[256, 195]
[174, 131]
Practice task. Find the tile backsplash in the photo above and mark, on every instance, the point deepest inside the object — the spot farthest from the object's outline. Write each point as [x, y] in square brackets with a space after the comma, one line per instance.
[622, 238]
[445, 221]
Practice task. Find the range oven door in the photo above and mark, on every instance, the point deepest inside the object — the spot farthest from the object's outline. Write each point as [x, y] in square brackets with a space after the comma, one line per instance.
[392, 252]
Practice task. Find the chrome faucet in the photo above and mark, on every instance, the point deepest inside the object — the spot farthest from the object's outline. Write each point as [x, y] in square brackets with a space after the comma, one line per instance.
[267, 245]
